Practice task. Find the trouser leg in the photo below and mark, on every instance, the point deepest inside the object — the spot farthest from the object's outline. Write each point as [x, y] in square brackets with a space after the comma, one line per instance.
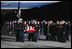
[22, 36]
[29, 37]
[17, 36]
[35, 36]
[67, 37]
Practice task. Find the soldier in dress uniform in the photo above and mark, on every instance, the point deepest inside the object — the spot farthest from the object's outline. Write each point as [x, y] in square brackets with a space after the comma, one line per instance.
[36, 31]
[42, 27]
[38, 26]
[25, 25]
[15, 29]
[20, 31]
[30, 34]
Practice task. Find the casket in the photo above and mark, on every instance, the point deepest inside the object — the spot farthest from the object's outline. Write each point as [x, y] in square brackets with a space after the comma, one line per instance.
[29, 29]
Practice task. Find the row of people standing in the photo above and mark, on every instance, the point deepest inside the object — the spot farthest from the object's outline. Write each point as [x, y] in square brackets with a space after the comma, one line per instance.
[58, 31]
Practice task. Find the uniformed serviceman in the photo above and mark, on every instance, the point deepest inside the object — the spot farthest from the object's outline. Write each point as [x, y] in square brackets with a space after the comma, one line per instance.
[30, 34]
[20, 31]
[15, 30]
[36, 31]
[42, 27]
[38, 26]
[25, 25]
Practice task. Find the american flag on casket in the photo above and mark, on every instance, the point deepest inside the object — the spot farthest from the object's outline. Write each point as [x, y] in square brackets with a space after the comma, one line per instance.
[29, 29]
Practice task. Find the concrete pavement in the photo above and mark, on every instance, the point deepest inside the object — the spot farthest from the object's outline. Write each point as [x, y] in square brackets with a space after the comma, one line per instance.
[11, 43]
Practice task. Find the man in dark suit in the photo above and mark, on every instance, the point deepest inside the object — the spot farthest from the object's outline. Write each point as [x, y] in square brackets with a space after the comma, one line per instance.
[67, 30]
[62, 31]
[57, 31]
[51, 30]
[45, 29]
[47, 35]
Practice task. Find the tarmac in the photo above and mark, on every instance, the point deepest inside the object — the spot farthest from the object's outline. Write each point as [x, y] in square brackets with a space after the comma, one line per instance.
[9, 42]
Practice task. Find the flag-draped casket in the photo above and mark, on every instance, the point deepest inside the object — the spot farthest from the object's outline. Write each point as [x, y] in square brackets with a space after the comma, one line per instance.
[29, 28]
